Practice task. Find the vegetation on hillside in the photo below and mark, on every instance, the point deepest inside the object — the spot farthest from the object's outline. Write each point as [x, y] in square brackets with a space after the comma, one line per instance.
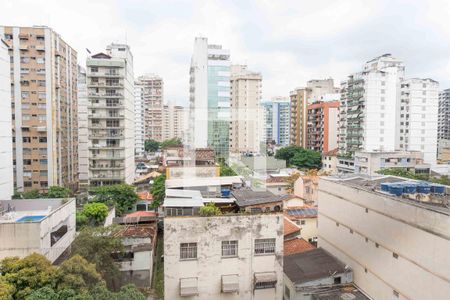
[299, 157]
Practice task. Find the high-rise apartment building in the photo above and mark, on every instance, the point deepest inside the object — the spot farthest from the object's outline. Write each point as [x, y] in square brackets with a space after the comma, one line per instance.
[83, 131]
[322, 126]
[315, 90]
[418, 119]
[175, 119]
[6, 155]
[111, 116]
[444, 125]
[139, 120]
[209, 110]
[245, 126]
[276, 113]
[298, 116]
[369, 104]
[152, 90]
[44, 100]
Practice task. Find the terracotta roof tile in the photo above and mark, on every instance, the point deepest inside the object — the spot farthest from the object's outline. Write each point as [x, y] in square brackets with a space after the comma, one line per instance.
[138, 231]
[141, 214]
[290, 227]
[145, 196]
[297, 245]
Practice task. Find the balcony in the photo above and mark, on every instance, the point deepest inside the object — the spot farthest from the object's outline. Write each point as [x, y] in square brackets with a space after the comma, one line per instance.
[106, 167]
[106, 116]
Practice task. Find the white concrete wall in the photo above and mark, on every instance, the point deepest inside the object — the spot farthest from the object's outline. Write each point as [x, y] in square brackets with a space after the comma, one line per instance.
[6, 157]
[208, 233]
[420, 237]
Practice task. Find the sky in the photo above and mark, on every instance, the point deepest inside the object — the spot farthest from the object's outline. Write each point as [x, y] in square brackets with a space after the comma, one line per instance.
[289, 42]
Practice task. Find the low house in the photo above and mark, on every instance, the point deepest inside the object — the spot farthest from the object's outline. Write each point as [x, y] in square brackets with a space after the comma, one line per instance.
[145, 181]
[330, 162]
[296, 245]
[215, 185]
[45, 226]
[308, 271]
[277, 184]
[291, 230]
[179, 156]
[307, 188]
[306, 218]
[136, 263]
[145, 202]
[257, 201]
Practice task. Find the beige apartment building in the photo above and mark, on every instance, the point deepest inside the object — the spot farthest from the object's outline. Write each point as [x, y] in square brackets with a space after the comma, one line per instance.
[246, 114]
[152, 94]
[397, 246]
[174, 121]
[44, 103]
[111, 116]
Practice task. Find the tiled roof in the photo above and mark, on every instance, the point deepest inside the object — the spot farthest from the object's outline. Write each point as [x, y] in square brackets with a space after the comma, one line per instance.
[138, 231]
[297, 245]
[204, 154]
[276, 180]
[290, 227]
[145, 196]
[301, 212]
[331, 152]
[137, 214]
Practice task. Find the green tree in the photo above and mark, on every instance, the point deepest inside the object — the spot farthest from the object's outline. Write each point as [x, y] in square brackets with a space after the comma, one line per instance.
[81, 220]
[300, 157]
[158, 190]
[130, 292]
[58, 192]
[27, 274]
[44, 293]
[122, 196]
[171, 142]
[210, 209]
[33, 194]
[401, 172]
[96, 244]
[225, 170]
[7, 290]
[77, 274]
[151, 145]
[95, 213]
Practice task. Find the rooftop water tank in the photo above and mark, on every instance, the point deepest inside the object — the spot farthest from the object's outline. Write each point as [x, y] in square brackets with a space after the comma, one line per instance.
[385, 186]
[409, 188]
[225, 193]
[438, 189]
[423, 188]
[396, 189]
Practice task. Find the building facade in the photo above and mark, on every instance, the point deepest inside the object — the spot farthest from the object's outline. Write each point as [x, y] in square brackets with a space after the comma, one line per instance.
[6, 153]
[444, 115]
[277, 114]
[139, 120]
[418, 117]
[152, 88]
[360, 225]
[322, 128]
[111, 116]
[224, 257]
[44, 101]
[83, 130]
[369, 163]
[245, 125]
[175, 119]
[298, 116]
[370, 101]
[209, 97]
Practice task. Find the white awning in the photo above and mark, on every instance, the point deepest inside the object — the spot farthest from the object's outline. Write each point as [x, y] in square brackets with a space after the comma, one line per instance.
[265, 277]
[188, 286]
[230, 283]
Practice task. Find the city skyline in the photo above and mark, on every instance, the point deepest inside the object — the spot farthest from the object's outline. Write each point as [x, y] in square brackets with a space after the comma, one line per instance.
[274, 38]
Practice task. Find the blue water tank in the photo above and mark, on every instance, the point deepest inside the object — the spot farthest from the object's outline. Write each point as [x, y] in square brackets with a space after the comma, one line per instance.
[385, 187]
[437, 189]
[225, 193]
[409, 188]
[396, 189]
[423, 188]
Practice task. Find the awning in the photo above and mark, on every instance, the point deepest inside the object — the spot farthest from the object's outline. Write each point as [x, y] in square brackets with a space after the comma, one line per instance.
[230, 283]
[188, 286]
[265, 277]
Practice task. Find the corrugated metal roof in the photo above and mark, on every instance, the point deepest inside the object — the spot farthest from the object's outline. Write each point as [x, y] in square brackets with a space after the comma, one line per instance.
[183, 202]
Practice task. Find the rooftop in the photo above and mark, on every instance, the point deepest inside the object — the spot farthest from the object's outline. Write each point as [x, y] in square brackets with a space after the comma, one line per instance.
[297, 245]
[183, 202]
[339, 292]
[301, 212]
[372, 184]
[290, 227]
[311, 265]
[203, 181]
[29, 210]
[175, 193]
[137, 231]
[249, 197]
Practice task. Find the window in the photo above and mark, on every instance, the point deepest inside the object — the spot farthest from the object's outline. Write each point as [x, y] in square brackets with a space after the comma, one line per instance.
[265, 285]
[395, 255]
[264, 246]
[229, 248]
[188, 251]
[42, 139]
[26, 139]
[27, 162]
[337, 280]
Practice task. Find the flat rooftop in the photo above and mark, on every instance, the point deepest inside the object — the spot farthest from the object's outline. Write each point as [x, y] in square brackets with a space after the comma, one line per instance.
[311, 265]
[246, 197]
[340, 292]
[203, 181]
[29, 210]
[372, 184]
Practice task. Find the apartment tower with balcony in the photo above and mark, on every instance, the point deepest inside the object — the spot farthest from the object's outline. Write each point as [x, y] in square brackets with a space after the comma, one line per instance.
[110, 83]
[44, 103]
[369, 104]
[209, 97]
[444, 126]
[139, 115]
[175, 118]
[83, 131]
[276, 127]
[322, 126]
[245, 126]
